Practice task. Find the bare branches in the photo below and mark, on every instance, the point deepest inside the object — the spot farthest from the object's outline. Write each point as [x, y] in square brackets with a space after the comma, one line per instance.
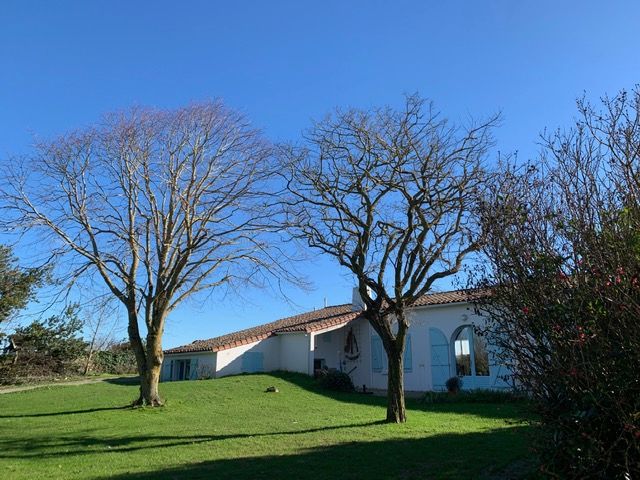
[160, 204]
[390, 195]
[562, 257]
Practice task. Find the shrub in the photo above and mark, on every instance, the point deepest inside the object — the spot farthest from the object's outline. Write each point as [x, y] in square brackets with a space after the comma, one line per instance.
[563, 264]
[473, 396]
[454, 384]
[119, 359]
[45, 349]
[335, 380]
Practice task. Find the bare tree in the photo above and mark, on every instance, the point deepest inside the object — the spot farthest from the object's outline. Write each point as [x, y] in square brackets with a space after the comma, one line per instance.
[158, 205]
[389, 194]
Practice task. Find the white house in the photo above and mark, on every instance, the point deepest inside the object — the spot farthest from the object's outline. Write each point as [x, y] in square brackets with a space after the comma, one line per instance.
[441, 343]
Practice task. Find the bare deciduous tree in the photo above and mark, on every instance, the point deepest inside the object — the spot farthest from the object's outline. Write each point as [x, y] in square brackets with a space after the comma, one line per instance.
[389, 194]
[158, 205]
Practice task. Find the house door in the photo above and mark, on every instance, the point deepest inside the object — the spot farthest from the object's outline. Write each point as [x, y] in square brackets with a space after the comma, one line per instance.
[440, 369]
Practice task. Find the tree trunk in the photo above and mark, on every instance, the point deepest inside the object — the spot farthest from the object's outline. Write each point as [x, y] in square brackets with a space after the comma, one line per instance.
[136, 341]
[148, 366]
[87, 364]
[150, 378]
[149, 395]
[396, 412]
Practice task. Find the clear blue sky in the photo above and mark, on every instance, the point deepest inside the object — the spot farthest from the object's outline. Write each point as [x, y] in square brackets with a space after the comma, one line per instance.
[63, 64]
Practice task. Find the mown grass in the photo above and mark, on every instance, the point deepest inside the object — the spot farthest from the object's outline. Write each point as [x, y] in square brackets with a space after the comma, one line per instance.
[231, 428]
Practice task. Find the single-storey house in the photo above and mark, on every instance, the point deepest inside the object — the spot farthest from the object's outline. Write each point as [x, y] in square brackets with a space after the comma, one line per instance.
[441, 343]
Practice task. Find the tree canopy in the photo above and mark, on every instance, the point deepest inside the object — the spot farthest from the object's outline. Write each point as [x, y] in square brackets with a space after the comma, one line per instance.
[17, 285]
[156, 205]
[390, 195]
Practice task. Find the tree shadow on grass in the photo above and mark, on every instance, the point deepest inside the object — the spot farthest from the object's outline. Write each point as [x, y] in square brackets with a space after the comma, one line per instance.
[518, 411]
[67, 412]
[78, 445]
[126, 380]
[490, 455]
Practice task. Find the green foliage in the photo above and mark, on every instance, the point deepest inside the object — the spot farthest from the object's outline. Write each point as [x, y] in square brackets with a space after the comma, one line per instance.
[118, 359]
[473, 396]
[583, 331]
[454, 384]
[563, 264]
[47, 347]
[335, 380]
[17, 285]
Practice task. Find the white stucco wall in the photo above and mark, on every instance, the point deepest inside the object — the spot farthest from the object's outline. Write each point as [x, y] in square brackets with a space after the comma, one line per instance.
[329, 347]
[229, 361]
[360, 368]
[291, 352]
[446, 318]
[296, 352]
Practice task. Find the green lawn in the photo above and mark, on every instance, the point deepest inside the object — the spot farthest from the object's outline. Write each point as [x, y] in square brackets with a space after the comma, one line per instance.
[231, 428]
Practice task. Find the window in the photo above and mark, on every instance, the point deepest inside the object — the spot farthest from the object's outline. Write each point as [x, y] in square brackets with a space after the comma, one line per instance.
[378, 357]
[408, 357]
[470, 349]
[182, 369]
[379, 360]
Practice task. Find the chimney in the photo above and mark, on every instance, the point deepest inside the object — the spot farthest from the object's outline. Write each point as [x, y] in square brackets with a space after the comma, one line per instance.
[357, 304]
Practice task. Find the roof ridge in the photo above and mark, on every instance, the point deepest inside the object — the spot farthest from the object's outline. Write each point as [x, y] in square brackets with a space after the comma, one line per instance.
[312, 320]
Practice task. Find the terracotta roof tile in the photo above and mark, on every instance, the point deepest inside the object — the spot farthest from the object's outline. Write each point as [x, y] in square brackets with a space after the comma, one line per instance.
[304, 322]
[310, 322]
[455, 296]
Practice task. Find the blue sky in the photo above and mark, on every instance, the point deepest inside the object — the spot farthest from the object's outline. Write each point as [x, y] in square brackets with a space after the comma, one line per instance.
[63, 64]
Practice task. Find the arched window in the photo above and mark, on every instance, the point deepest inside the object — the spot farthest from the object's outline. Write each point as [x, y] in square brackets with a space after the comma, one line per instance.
[470, 349]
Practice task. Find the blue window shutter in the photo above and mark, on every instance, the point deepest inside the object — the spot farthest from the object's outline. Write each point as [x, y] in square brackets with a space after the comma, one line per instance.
[167, 374]
[376, 353]
[193, 375]
[439, 359]
[408, 359]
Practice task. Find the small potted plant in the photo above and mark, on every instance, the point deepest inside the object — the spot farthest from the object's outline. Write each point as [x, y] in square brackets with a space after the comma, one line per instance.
[454, 385]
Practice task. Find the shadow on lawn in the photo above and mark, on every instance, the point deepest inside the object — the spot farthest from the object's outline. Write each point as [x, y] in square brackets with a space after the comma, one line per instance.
[57, 447]
[520, 410]
[490, 455]
[66, 412]
[127, 380]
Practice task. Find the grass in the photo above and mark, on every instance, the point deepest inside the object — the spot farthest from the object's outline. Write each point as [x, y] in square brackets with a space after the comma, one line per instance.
[66, 380]
[231, 428]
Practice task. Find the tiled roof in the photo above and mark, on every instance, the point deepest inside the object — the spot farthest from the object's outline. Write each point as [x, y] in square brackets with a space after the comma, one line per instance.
[305, 322]
[309, 322]
[455, 296]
